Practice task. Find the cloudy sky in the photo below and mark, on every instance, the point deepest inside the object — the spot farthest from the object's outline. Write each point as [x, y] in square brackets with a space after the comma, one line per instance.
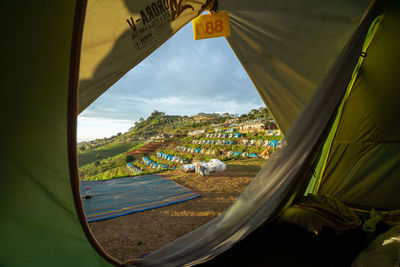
[182, 77]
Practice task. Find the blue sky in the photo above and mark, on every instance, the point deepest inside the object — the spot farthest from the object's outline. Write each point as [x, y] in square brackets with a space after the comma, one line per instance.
[182, 77]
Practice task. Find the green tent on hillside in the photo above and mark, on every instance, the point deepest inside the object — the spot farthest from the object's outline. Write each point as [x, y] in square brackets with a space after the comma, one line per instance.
[328, 71]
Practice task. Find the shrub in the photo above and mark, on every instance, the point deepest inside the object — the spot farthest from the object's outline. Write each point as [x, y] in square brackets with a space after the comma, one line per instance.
[129, 158]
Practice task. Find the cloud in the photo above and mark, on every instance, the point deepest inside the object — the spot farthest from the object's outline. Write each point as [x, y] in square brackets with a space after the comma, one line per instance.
[182, 77]
[93, 128]
[176, 105]
[187, 67]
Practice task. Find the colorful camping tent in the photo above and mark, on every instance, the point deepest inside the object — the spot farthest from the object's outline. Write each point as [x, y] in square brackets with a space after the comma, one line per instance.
[273, 143]
[327, 73]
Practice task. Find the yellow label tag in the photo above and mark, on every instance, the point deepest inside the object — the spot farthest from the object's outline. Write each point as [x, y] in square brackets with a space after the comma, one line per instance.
[210, 26]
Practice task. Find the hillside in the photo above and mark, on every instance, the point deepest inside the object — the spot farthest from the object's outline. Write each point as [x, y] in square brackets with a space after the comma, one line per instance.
[163, 143]
[106, 158]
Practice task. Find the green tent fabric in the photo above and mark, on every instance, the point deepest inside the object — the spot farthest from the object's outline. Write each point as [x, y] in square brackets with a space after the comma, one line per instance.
[39, 225]
[277, 42]
[283, 176]
[304, 55]
[368, 134]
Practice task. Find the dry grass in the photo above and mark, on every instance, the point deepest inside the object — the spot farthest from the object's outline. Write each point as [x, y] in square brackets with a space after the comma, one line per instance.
[130, 236]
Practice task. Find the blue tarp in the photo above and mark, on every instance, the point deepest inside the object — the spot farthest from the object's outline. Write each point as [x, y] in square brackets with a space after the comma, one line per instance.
[253, 155]
[123, 196]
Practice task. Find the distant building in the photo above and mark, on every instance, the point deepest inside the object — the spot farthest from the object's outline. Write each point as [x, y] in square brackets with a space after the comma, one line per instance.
[196, 132]
[252, 127]
[272, 126]
[202, 117]
[179, 135]
[162, 136]
[230, 121]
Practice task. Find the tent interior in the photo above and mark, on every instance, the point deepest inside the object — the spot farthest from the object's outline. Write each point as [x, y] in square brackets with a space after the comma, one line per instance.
[328, 71]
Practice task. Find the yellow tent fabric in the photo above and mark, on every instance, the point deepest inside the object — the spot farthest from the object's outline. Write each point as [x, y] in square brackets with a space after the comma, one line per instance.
[119, 34]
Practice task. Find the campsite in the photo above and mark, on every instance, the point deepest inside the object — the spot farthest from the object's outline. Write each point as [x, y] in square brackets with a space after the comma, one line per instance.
[157, 211]
[131, 236]
[327, 73]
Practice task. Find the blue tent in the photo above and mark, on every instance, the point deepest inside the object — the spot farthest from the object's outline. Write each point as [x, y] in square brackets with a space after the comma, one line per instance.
[253, 155]
[147, 161]
[273, 143]
[197, 150]
[238, 135]
[236, 154]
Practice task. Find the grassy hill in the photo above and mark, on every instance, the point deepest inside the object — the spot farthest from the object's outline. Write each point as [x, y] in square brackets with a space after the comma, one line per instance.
[106, 158]
[103, 152]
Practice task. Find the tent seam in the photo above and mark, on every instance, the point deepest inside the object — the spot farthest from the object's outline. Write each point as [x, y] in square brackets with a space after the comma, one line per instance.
[368, 39]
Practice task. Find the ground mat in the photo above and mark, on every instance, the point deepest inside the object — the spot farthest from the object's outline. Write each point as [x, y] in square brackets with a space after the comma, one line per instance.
[123, 196]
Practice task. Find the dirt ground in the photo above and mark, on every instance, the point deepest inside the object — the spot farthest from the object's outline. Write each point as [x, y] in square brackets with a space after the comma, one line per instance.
[129, 236]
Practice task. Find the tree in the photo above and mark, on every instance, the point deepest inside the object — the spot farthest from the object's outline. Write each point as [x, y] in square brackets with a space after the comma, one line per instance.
[129, 158]
[254, 111]
[227, 115]
[141, 120]
[157, 113]
[265, 113]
